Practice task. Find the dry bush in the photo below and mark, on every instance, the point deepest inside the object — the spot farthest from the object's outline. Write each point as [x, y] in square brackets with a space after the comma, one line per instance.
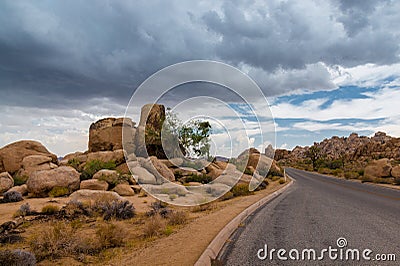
[24, 209]
[117, 209]
[11, 196]
[50, 209]
[282, 181]
[177, 218]
[17, 257]
[53, 240]
[110, 235]
[241, 190]
[154, 226]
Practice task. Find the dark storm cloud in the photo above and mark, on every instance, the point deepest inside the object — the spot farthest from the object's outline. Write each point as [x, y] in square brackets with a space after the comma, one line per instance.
[63, 53]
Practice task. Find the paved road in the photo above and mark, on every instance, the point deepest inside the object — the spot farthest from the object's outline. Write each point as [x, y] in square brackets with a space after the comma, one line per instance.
[313, 213]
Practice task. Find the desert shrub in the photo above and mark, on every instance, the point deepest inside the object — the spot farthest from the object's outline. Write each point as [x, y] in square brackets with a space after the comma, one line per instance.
[247, 171]
[117, 209]
[92, 167]
[168, 230]
[282, 181]
[228, 195]
[159, 208]
[367, 179]
[154, 226]
[20, 179]
[53, 241]
[59, 192]
[351, 175]
[272, 172]
[74, 209]
[74, 162]
[275, 178]
[110, 235]
[24, 209]
[397, 181]
[337, 172]
[324, 170]
[11, 196]
[360, 172]
[241, 190]
[201, 178]
[177, 218]
[17, 257]
[50, 209]
[383, 180]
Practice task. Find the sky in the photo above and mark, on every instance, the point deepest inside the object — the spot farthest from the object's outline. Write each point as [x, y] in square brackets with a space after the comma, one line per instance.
[326, 67]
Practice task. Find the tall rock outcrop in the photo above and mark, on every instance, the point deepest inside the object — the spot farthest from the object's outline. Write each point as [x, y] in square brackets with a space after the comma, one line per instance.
[106, 134]
[12, 155]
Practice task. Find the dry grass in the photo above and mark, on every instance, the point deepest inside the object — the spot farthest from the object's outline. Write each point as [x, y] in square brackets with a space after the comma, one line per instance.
[154, 226]
[178, 218]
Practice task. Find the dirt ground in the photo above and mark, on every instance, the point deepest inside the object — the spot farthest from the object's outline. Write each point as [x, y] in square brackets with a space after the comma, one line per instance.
[183, 247]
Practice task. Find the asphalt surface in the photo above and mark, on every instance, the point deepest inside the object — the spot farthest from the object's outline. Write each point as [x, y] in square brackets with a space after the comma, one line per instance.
[314, 213]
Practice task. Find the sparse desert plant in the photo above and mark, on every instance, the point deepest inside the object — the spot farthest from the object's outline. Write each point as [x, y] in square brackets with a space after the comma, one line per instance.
[397, 181]
[53, 241]
[50, 209]
[92, 167]
[384, 180]
[228, 195]
[17, 257]
[74, 162]
[201, 178]
[241, 190]
[154, 226]
[110, 235]
[20, 179]
[367, 179]
[11, 196]
[351, 175]
[24, 209]
[115, 209]
[275, 178]
[159, 208]
[74, 209]
[177, 218]
[59, 192]
[282, 181]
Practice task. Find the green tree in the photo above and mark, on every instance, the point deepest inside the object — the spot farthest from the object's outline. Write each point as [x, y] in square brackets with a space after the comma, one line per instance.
[193, 137]
[314, 154]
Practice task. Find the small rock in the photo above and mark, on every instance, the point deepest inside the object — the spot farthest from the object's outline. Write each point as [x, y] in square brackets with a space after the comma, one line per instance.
[124, 190]
[94, 184]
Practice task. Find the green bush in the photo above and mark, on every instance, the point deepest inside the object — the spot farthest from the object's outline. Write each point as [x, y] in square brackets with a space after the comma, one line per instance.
[20, 179]
[228, 195]
[202, 178]
[59, 192]
[94, 166]
[74, 163]
[337, 172]
[241, 190]
[351, 175]
[50, 209]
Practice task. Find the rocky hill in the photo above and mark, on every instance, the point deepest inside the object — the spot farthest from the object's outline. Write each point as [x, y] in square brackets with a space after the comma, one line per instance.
[352, 156]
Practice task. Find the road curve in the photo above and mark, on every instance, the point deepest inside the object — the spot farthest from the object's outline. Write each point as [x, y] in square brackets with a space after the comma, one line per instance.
[313, 214]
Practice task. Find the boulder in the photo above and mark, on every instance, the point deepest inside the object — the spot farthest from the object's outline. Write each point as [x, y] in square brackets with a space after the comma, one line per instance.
[11, 156]
[157, 168]
[78, 157]
[6, 182]
[41, 182]
[124, 190]
[94, 184]
[109, 176]
[214, 171]
[260, 162]
[123, 169]
[90, 195]
[379, 168]
[116, 156]
[143, 176]
[396, 171]
[166, 188]
[106, 134]
[148, 134]
[23, 189]
[34, 163]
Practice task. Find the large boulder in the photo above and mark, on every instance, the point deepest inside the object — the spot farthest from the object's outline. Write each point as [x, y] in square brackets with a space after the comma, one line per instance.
[94, 184]
[116, 156]
[6, 182]
[109, 176]
[90, 195]
[124, 190]
[148, 134]
[157, 168]
[41, 182]
[379, 168]
[34, 163]
[396, 171]
[11, 156]
[23, 189]
[260, 162]
[106, 134]
[143, 176]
